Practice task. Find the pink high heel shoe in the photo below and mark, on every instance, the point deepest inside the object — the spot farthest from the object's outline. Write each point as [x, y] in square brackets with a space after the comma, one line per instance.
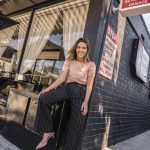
[44, 141]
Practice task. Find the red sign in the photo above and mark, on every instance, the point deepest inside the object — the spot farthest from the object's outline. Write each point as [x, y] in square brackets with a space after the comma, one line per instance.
[134, 7]
[132, 3]
[109, 54]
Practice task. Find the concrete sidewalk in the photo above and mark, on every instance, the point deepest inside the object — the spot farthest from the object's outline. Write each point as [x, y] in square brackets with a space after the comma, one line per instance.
[6, 145]
[139, 142]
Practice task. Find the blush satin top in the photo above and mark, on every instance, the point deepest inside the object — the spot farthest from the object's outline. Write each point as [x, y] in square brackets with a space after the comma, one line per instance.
[79, 71]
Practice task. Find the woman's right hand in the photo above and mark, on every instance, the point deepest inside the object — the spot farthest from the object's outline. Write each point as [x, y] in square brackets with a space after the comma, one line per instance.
[44, 91]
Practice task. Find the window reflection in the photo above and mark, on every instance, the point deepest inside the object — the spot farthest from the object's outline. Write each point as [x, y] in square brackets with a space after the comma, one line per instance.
[46, 72]
[11, 42]
[49, 62]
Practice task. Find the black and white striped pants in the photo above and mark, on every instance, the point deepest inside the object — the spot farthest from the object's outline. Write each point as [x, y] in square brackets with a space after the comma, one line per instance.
[75, 93]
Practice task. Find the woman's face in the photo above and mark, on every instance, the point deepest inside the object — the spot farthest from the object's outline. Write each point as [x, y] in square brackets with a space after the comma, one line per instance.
[81, 50]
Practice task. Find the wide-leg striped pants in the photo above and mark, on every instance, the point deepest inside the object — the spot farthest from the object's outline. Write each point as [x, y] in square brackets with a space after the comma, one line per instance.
[75, 93]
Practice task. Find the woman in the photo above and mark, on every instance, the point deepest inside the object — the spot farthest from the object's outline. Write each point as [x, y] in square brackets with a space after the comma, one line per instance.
[80, 73]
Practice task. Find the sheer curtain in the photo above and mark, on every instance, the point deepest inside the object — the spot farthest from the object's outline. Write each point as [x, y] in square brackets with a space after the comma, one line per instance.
[73, 15]
[74, 23]
[5, 38]
[42, 27]
[14, 37]
[22, 28]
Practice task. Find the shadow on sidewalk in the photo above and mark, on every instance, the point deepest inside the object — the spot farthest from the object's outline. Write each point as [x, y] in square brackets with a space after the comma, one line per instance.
[21, 137]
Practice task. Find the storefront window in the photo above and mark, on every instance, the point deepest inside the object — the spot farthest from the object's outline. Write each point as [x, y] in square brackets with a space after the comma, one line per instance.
[11, 42]
[46, 72]
[53, 32]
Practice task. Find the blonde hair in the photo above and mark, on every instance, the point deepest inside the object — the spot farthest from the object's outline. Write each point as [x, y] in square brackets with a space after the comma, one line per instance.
[72, 55]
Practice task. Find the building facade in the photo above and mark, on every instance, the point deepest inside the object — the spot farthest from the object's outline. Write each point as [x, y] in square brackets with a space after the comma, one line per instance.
[119, 105]
[119, 108]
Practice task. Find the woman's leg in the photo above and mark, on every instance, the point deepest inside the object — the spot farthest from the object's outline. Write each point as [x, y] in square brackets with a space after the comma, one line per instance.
[77, 120]
[43, 123]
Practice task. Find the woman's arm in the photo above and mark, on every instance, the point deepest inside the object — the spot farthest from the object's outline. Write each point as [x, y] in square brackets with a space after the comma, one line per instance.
[84, 107]
[62, 77]
[89, 88]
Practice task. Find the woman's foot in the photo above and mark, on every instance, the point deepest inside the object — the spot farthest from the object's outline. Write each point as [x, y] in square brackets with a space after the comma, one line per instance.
[45, 139]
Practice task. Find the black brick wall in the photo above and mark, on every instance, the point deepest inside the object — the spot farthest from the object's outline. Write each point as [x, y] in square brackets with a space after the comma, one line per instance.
[126, 103]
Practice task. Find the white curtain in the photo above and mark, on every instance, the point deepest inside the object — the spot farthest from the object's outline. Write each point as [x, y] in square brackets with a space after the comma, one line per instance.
[14, 37]
[73, 15]
[42, 27]
[74, 23]
[7, 34]
[5, 38]
[22, 28]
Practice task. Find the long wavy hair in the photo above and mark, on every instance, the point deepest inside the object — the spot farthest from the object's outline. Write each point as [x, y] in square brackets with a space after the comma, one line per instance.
[72, 55]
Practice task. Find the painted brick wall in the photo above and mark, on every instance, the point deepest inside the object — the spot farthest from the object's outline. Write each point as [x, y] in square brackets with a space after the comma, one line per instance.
[126, 105]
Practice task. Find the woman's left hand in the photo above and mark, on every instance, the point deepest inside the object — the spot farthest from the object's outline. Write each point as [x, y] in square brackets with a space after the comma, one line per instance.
[84, 108]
